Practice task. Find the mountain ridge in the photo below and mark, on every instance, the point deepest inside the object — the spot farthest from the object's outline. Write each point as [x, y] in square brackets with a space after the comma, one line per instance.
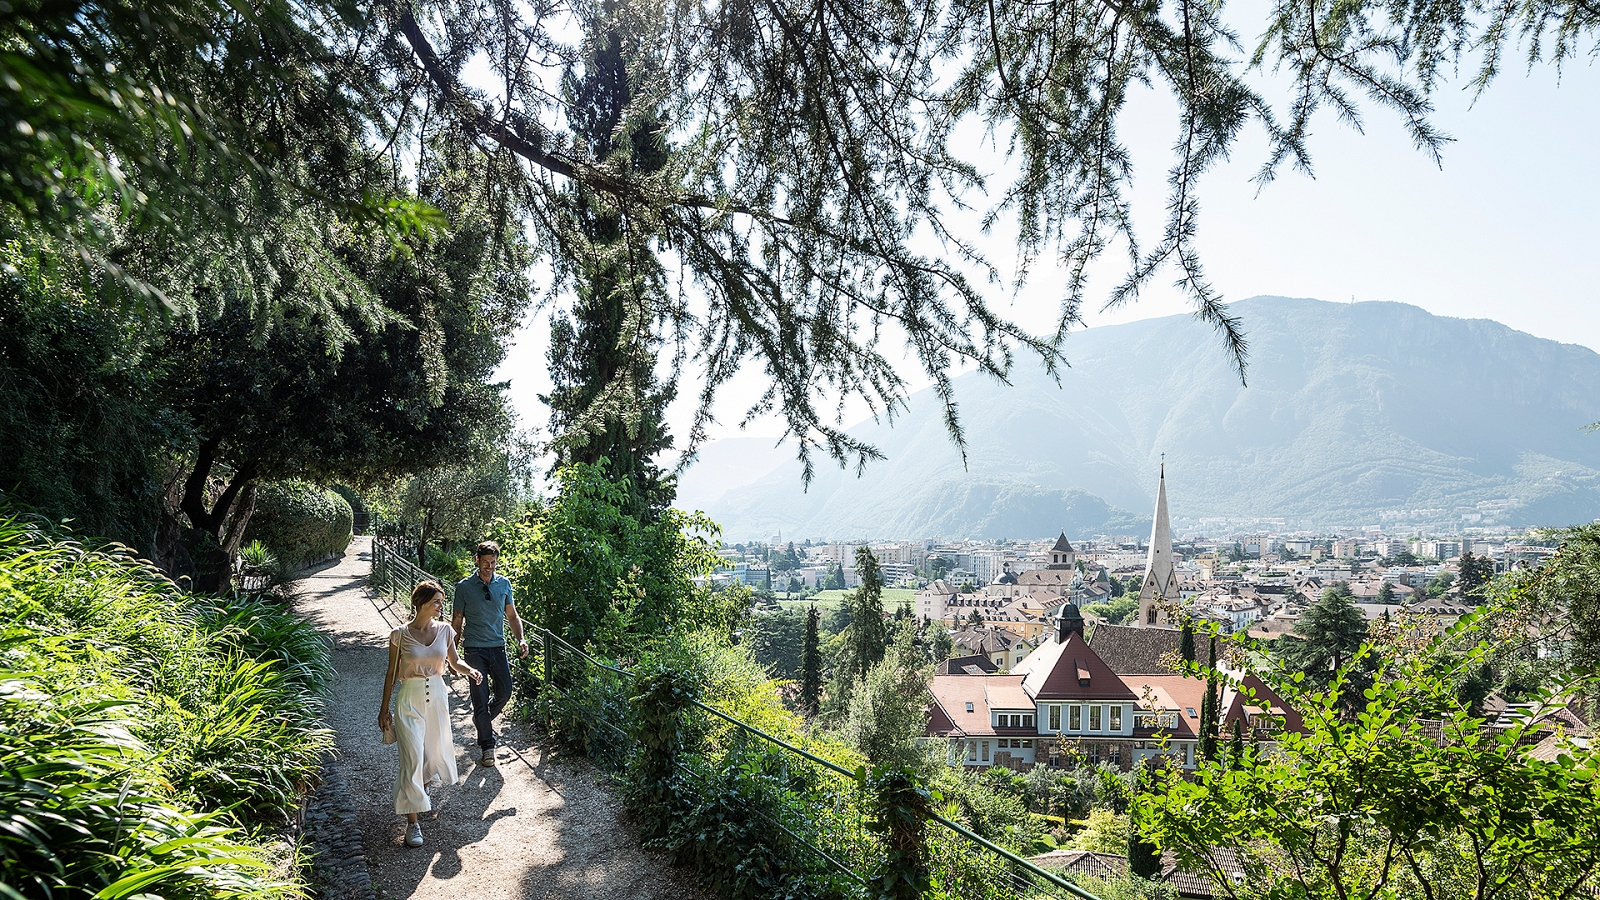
[1353, 414]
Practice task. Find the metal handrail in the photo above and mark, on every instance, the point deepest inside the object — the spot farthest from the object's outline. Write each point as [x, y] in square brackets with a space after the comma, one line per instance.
[1046, 874]
[394, 574]
[1035, 870]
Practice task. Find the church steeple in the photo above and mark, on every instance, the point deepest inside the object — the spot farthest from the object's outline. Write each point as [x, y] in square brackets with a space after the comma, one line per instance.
[1159, 592]
[1062, 556]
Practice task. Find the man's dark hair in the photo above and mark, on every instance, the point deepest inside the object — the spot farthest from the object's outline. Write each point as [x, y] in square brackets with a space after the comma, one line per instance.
[487, 548]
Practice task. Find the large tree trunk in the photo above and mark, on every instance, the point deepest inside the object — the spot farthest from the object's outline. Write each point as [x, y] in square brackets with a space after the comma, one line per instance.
[243, 510]
[204, 550]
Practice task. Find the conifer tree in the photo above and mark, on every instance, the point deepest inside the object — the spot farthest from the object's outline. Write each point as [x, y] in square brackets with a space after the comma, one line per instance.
[1186, 642]
[605, 402]
[1144, 858]
[811, 664]
[1209, 714]
[868, 634]
[1236, 751]
[1328, 635]
[1475, 573]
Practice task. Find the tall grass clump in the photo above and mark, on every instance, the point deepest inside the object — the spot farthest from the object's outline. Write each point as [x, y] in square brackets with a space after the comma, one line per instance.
[149, 739]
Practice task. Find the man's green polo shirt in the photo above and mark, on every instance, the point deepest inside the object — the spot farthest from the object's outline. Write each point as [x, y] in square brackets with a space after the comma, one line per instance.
[483, 607]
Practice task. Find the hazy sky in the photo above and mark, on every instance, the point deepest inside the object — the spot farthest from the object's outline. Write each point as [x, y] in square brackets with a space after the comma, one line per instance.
[1507, 229]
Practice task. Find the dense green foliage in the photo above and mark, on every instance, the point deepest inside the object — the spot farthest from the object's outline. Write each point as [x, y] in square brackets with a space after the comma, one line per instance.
[590, 572]
[867, 634]
[141, 727]
[448, 508]
[156, 429]
[1565, 594]
[778, 639]
[82, 434]
[300, 522]
[1368, 801]
[888, 710]
[1328, 635]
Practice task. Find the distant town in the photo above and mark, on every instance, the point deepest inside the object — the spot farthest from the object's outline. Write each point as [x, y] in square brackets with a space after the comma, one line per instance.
[1059, 653]
[1257, 580]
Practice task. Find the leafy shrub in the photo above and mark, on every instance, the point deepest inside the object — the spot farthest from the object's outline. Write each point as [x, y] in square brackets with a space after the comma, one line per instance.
[300, 522]
[730, 833]
[85, 818]
[351, 496]
[1103, 832]
[449, 566]
[259, 569]
[999, 816]
[83, 435]
[230, 695]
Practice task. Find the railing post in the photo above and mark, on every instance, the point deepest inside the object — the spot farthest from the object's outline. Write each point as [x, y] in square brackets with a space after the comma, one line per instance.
[903, 804]
[660, 703]
[549, 661]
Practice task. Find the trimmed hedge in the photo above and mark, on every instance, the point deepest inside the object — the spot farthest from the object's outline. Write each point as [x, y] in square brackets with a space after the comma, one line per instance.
[300, 522]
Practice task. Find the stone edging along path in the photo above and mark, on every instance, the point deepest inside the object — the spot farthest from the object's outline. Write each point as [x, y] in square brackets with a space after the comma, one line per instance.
[331, 833]
[533, 827]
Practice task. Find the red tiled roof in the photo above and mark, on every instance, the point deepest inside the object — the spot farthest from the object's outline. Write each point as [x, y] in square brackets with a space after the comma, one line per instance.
[1265, 697]
[1057, 670]
[1172, 692]
[952, 693]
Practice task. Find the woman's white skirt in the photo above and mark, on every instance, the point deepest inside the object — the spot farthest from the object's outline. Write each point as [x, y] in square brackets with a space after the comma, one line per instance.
[427, 745]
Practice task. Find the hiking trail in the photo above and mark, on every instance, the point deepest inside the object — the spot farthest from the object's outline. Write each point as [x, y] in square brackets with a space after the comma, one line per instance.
[534, 827]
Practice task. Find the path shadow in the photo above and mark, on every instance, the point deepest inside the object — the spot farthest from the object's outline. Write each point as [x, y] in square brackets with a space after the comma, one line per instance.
[460, 818]
[597, 842]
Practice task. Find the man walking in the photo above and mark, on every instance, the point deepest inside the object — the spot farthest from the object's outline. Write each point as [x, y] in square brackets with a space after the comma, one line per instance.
[483, 606]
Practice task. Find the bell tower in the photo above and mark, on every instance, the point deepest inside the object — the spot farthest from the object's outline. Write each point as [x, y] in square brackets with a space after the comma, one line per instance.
[1158, 595]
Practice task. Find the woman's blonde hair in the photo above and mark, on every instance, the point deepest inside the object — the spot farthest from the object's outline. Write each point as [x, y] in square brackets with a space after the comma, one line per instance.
[424, 590]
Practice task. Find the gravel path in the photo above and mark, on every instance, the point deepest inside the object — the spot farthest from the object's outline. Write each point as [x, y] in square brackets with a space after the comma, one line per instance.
[534, 827]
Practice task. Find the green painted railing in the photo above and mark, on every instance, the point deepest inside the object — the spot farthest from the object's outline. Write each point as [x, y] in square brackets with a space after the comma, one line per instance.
[1024, 878]
[393, 577]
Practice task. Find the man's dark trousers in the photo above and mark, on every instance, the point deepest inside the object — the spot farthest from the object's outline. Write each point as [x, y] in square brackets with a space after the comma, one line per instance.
[496, 669]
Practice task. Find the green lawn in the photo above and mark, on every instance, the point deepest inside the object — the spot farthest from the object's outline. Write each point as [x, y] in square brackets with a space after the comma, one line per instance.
[892, 597]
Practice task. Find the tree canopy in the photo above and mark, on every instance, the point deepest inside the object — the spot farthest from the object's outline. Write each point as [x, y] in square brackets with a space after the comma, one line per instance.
[774, 184]
[1328, 635]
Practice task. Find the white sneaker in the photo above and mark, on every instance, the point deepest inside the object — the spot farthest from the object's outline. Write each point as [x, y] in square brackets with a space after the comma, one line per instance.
[414, 834]
[487, 759]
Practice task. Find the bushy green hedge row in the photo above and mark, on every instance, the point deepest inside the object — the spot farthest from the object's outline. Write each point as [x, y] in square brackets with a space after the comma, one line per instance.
[300, 522]
[146, 734]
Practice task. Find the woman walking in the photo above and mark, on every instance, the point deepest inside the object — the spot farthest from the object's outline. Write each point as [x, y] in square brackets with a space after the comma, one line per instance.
[419, 652]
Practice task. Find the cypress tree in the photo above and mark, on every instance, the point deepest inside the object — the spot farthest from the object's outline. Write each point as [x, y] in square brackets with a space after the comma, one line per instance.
[868, 634]
[811, 664]
[1144, 858]
[1236, 752]
[1186, 647]
[605, 401]
[1209, 712]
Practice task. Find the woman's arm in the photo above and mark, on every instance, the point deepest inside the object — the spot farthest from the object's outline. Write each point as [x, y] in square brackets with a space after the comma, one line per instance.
[459, 667]
[385, 717]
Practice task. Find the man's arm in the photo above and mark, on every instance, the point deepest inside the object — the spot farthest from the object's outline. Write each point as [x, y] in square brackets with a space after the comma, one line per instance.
[516, 628]
[457, 615]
